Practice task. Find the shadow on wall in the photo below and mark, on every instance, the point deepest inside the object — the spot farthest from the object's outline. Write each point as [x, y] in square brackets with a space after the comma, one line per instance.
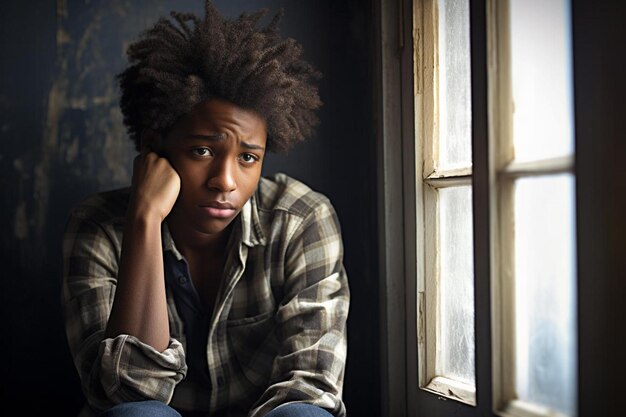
[61, 138]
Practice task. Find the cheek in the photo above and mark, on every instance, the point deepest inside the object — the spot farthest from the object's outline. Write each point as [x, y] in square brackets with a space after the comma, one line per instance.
[191, 180]
[251, 181]
[191, 172]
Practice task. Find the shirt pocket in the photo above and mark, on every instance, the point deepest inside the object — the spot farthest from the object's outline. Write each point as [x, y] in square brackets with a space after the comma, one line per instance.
[254, 344]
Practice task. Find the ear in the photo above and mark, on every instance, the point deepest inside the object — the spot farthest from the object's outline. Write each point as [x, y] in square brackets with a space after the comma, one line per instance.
[150, 141]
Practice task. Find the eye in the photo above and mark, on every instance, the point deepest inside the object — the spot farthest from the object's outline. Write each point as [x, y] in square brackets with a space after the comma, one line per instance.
[248, 158]
[201, 152]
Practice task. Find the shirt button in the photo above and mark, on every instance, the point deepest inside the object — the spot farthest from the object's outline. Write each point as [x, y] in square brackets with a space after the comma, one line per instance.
[182, 279]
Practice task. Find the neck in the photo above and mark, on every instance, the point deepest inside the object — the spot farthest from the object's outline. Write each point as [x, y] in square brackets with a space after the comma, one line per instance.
[190, 242]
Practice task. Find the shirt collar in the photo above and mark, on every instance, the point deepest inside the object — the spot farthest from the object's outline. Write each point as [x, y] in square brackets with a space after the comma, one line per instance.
[248, 227]
[250, 223]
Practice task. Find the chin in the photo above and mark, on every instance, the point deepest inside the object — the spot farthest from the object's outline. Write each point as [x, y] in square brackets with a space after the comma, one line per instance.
[213, 227]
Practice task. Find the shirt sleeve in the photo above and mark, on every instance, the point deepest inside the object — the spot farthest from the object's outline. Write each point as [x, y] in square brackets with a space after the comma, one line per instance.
[111, 370]
[311, 319]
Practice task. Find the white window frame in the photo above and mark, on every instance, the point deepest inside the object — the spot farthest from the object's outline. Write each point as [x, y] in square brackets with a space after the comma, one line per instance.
[426, 104]
[506, 172]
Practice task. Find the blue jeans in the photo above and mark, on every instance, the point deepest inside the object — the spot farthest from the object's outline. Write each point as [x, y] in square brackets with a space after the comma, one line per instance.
[298, 410]
[151, 408]
[159, 409]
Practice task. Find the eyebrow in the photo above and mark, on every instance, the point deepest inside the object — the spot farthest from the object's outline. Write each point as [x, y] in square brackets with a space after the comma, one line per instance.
[221, 136]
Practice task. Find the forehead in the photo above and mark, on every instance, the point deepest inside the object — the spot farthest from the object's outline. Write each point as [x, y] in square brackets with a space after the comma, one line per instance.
[221, 116]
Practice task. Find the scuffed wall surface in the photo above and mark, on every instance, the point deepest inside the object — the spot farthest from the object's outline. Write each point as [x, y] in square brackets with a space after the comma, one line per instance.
[61, 138]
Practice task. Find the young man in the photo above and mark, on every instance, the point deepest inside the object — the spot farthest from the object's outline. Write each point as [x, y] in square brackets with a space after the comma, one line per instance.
[203, 288]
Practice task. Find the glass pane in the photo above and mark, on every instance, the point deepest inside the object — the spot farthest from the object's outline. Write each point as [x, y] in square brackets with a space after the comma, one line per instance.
[455, 329]
[542, 79]
[455, 114]
[545, 296]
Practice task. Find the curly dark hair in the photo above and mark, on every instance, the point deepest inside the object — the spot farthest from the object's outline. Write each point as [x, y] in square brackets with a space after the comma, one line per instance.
[182, 61]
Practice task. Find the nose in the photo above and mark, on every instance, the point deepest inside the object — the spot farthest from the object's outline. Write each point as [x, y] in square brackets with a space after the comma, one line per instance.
[222, 175]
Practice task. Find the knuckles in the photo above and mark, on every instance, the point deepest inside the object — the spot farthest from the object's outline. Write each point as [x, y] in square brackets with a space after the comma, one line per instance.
[152, 165]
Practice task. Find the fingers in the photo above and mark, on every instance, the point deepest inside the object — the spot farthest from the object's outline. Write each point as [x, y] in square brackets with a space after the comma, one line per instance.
[155, 183]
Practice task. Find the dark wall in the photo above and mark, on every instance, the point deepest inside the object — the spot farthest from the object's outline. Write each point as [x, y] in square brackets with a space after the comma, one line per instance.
[600, 87]
[61, 138]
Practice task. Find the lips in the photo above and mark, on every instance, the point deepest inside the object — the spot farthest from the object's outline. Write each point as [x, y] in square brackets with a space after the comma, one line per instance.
[218, 209]
[222, 205]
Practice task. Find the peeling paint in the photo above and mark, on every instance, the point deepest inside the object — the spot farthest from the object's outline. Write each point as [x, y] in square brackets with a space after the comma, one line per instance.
[79, 103]
[63, 37]
[21, 222]
[49, 149]
[21, 168]
[62, 8]
[86, 40]
[18, 165]
[72, 151]
[84, 134]
[84, 102]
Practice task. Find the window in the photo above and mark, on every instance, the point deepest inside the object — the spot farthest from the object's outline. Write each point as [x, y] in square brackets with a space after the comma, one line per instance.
[488, 289]
[443, 132]
[536, 199]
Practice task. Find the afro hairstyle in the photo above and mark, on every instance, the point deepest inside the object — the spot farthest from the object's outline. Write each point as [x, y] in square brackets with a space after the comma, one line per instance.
[183, 60]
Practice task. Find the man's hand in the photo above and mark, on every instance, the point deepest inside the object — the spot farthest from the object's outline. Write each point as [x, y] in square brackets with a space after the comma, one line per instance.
[140, 305]
[155, 186]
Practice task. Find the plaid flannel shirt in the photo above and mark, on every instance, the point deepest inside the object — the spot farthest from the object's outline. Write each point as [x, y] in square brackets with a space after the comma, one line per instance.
[278, 330]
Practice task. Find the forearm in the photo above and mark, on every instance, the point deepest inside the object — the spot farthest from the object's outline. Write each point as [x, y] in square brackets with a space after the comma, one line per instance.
[312, 319]
[310, 364]
[140, 306]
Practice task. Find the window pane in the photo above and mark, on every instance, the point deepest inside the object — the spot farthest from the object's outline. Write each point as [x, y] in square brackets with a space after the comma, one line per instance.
[545, 291]
[542, 78]
[455, 116]
[455, 330]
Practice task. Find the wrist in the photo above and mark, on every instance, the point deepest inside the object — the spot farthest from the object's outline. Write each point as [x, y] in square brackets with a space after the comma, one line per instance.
[142, 214]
